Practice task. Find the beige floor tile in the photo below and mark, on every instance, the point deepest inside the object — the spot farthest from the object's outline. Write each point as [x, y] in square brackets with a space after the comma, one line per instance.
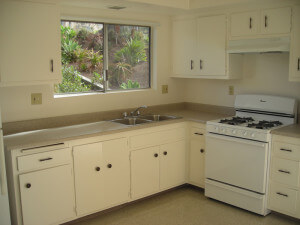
[184, 206]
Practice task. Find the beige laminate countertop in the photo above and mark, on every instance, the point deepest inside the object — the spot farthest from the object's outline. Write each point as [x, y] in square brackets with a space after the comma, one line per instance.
[290, 131]
[43, 137]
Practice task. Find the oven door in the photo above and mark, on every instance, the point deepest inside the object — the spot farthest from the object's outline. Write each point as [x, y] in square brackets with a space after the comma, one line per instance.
[238, 162]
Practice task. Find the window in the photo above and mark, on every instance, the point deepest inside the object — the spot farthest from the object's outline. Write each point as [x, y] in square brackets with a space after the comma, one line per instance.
[98, 57]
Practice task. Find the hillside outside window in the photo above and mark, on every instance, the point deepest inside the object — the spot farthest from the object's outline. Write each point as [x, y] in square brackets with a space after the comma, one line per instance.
[99, 57]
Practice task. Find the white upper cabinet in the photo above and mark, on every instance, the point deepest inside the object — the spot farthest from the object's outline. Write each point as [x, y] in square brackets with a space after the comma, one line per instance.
[244, 23]
[261, 22]
[276, 21]
[184, 42]
[30, 43]
[199, 49]
[294, 73]
[211, 45]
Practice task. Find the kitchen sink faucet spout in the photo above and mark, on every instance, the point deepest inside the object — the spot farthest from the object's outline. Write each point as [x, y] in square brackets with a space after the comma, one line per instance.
[136, 111]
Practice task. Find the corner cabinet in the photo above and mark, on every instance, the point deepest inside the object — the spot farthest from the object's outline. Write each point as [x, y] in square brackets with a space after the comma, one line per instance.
[294, 73]
[197, 155]
[30, 43]
[199, 49]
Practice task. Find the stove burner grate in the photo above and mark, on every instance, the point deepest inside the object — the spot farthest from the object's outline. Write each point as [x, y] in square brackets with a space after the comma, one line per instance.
[264, 124]
[236, 120]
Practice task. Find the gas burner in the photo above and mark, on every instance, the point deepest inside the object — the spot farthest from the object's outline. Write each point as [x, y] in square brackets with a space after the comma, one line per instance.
[264, 124]
[236, 120]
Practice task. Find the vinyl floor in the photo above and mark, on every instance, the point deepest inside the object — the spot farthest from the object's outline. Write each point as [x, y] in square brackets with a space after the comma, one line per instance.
[183, 206]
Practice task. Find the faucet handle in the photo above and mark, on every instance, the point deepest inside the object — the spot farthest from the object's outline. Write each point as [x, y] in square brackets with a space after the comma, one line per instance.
[124, 114]
[138, 113]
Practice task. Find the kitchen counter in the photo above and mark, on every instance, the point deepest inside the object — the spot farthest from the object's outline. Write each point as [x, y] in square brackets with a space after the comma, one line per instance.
[57, 135]
[290, 131]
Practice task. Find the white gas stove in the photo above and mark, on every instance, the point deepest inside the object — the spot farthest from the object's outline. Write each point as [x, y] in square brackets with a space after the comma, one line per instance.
[238, 150]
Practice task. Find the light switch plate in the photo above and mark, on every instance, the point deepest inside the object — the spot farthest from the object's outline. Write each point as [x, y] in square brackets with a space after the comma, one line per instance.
[165, 89]
[36, 98]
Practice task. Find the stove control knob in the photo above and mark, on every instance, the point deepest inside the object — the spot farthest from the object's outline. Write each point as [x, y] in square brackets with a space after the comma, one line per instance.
[245, 133]
[234, 131]
[253, 135]
[222, 129]
[216, 128]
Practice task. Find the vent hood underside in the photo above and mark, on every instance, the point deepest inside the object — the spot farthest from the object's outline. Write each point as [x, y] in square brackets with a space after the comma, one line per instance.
[258, 45]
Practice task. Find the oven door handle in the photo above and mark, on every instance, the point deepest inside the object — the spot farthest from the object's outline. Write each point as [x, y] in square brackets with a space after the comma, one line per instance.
[236, 139]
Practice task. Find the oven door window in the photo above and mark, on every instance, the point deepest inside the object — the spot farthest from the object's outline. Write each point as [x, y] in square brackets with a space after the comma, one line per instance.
[238, 162]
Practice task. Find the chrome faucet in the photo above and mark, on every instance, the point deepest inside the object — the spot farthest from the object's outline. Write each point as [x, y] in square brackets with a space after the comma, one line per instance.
[136, 111]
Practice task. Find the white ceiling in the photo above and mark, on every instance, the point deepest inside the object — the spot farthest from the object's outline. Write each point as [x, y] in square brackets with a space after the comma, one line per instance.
[170, 7]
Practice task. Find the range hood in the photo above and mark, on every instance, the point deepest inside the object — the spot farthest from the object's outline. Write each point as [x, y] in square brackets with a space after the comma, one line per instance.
[259, 45]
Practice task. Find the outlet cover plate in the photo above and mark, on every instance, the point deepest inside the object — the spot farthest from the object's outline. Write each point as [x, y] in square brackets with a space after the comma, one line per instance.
[36, 98]
[164, 89]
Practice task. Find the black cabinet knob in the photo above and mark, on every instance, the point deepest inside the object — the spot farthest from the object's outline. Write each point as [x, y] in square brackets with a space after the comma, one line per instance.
[155, 155]
[28, 185]
[201, 150]
[109, 165]
[165, 153]
[97, 168]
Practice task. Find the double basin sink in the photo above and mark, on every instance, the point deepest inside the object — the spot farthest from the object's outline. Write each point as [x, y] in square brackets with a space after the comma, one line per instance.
[143, 119]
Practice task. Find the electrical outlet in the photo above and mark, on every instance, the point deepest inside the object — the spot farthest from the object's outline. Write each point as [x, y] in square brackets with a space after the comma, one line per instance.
[231, 90]
[165, 89]
[36, 98]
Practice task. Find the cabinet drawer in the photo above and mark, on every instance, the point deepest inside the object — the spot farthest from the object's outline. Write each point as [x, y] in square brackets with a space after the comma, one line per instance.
[287, 151]
[44, 159]
[283, 199]
[285, 171]
[197, 133]
[157, 138]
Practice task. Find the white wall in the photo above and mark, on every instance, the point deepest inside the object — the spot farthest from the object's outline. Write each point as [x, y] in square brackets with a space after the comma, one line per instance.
[15, 101]
[262, 74]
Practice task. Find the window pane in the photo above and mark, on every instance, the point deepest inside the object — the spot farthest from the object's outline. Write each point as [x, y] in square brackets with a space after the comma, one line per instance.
[82, 57]
[128, 57]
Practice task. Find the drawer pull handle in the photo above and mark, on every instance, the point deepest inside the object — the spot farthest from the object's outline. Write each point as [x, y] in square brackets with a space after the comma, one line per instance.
[285, 150]
[284, 171]
[51, 66]
[165, 153]
[97, 168]
[28, 185]
[155, 155]
[202, 150]
[109, 166]
[198, 133]
[279, 193]
[192, 64]
[46, 159]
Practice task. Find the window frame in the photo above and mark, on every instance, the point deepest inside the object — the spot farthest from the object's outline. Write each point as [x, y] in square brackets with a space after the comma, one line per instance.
[105, 59]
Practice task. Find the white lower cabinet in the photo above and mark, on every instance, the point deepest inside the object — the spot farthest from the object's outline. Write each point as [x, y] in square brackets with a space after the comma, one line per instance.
[47, 196]
[172, 164]
[284, 188]
[144, 172]
[157, 168]
[101, 175]
[54, 184]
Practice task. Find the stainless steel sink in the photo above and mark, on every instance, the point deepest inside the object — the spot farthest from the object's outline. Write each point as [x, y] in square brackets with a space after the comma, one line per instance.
[131, 121]
[158, 117]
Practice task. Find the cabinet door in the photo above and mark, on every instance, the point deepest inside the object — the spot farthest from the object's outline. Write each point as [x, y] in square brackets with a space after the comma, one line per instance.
[197, 162]
[294, 72]
[144, 172]
[211, 42]
[276, 21]
[47, 196]
[116, 172]
[172, 164]
[184, 42]
[244, 24]
[89, 178]
[30, 40]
